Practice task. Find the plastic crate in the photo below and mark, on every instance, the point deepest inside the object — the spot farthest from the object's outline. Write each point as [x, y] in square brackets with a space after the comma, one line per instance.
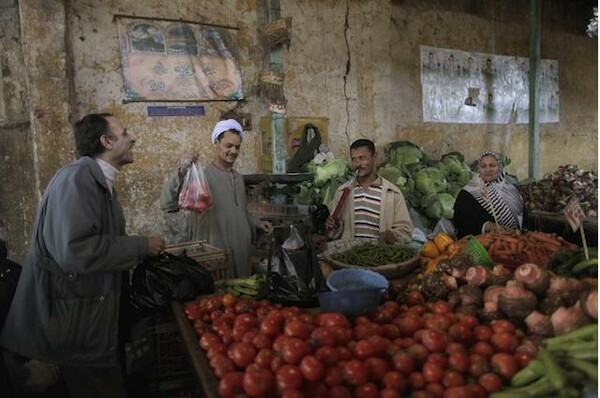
[215, 260]
[172, 376]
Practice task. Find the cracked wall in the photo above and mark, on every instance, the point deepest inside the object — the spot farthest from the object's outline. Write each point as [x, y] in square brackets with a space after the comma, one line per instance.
[355, 63]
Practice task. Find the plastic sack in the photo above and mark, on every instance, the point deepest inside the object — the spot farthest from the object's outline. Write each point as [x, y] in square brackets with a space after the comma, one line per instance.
[294, 276]
[160, 280]
[195, 193]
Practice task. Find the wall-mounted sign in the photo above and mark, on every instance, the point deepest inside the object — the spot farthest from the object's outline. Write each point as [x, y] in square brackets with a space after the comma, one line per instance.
[165, 60]
[172, 110]
[464, 87]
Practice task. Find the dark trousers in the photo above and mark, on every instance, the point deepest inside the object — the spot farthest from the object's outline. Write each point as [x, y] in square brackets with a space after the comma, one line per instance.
[35, 379]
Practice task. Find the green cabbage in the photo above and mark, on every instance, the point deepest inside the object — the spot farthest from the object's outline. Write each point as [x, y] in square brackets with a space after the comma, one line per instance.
[328, 170]
[430, 180]
[442, 206]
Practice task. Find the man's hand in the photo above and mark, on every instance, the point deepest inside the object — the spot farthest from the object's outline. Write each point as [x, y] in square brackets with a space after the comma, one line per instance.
[387, 236]
[156, 245]
[265, 226]
[332, 223]
[186, 162]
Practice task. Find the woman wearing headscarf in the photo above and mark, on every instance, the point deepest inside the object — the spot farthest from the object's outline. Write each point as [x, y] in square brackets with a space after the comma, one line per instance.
[488, 202]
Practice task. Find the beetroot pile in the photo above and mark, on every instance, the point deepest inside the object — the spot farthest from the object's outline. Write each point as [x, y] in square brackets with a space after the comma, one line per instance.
[531, 296]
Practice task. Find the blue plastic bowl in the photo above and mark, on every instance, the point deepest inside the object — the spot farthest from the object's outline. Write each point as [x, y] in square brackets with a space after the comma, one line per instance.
[353, 302]
[356, 278]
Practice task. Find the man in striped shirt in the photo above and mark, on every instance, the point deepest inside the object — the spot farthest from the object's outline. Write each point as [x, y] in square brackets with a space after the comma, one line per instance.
[375, 208]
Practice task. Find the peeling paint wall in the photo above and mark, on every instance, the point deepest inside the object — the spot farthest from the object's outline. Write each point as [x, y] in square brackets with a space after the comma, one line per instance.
[355, 63]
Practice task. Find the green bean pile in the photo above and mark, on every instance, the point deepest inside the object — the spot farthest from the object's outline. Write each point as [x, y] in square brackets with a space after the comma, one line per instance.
[374, 255]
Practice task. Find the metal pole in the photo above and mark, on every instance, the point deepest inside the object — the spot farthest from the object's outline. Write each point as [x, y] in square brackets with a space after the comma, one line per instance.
[535, 21]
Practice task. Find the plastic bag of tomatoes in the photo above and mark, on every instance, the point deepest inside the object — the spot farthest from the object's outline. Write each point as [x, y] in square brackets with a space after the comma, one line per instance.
[195, 193]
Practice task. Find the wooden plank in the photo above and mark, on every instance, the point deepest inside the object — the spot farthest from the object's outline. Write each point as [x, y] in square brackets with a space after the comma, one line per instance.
[204, 373]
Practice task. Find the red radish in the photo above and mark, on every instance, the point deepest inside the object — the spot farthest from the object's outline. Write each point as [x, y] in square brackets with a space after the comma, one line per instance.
[539, 324]
[478, 275]
[565, 320]
[533, 277]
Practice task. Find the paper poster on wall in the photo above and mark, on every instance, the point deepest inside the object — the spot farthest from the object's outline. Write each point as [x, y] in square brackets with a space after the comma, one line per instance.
[465, 87]
[165, 60]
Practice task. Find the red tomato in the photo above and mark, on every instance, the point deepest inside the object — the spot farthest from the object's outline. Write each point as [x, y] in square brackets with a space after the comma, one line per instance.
[482, 348]
[245, 320]
[276, 363]
[262, 340]
[389, 393]
[478, 365]
[469, 320]
[332, 319]
[344, 353]
[271, 326]
[315, 389]
[439, 358]
[289, 312]
[278, 342]
[378, 367]
[242, 354]
[333, 376]
[294, 349]
[328, 355]
[404, 363]
[416, 380]
[504, 342]
[504, 365]
[441, 307]
[409, 324]
[482, 333]
[288, 377]
[460, 333]
[395, 380]
[339, 391]
[432, 372]
[452, 378]
[231, 385]
[456, 347]
[355, 372]
[222, 365]
[490, 382]
[459, 361]
[343, 335]
[415, 297]
[391, 331]
[435, 389]
[208, 339]
[367, 390]
[476, 391]
[258, 382]
[458, 392]
[229, 300]
[380, 344]
[523, 358]
[435, 340]
[363, 349]
[215, 349]
[241, 306]
[297, 328]
[502, 325]
[419, 352]
[437, 321]
[292, 393]
[322, 336]
[312, 368]
[264, 358]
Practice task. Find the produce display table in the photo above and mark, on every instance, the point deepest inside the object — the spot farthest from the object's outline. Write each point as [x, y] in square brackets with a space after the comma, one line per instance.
[204, 373]
[557, 223]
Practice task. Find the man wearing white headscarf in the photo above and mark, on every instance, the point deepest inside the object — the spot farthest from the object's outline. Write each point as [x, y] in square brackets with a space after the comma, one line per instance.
[488, 202]
[227, 224]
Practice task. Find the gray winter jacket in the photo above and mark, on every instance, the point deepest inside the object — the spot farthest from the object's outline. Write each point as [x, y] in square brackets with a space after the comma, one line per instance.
[65, 309]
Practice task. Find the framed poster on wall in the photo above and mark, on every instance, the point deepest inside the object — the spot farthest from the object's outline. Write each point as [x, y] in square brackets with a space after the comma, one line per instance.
[169, 60]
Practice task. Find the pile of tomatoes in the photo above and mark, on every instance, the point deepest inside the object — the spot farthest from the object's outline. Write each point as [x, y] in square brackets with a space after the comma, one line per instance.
[260, 349]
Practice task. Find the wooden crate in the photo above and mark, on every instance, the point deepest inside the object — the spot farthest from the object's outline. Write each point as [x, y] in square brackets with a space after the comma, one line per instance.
[215, 260]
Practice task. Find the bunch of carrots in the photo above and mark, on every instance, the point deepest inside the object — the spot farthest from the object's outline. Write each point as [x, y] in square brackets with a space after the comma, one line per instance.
[516, 248]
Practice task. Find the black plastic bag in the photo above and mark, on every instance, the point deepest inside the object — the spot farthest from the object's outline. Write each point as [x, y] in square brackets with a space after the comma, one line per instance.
[160, 280]
[294, 276]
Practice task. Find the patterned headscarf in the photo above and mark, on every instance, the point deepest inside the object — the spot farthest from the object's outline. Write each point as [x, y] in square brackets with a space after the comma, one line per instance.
[498, 197]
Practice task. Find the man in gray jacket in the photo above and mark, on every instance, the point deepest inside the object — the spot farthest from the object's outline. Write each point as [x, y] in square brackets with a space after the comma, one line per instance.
[65, 312]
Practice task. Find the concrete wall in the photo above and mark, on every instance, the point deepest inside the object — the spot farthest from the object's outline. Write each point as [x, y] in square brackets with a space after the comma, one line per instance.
[353, 62]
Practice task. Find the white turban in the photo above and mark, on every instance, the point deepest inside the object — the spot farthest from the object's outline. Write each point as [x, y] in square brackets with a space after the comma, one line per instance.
[226, 125]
